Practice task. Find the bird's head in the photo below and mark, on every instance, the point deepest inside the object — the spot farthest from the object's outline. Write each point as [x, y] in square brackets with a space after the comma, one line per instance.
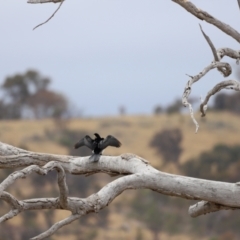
[97, 135]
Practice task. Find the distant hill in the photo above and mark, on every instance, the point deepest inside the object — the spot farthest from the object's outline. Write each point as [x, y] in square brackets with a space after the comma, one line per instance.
[135, 133]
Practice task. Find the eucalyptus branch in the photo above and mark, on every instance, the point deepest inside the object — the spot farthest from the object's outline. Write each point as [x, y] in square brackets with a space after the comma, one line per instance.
[228, 84]
[214, 51]
[11, 214]
[205, 207]
[192, 80]
[235, 54]
[7, 197]
[203, 15]
[137, 173]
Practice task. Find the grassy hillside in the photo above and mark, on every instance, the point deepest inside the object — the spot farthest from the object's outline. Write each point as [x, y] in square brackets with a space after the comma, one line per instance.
[135, 133]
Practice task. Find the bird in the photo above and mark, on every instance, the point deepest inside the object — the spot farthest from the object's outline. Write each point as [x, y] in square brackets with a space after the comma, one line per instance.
[97, 145]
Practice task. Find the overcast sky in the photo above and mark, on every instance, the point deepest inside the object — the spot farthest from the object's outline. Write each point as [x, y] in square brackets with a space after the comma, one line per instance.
[105, 53]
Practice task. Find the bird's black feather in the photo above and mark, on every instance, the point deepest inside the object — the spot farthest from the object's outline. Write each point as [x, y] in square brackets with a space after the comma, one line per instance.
[109, 141]
[86, 141]
[98, 144]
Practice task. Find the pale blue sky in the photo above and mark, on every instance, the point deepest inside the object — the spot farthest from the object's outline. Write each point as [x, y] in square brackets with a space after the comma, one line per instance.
[107, 53]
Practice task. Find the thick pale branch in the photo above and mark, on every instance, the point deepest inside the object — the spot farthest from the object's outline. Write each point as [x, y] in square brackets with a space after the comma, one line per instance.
[140, 175]
[27, 159]
[235, 54]
[228, 84]
[11, 214]
[11, 200]
[63, 188]
[19, 174]
[205, 207]
[168, 184]
[41, 203]
[197, 12]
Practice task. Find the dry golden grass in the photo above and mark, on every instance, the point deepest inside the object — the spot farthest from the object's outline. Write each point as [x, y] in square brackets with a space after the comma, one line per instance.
[135, 133]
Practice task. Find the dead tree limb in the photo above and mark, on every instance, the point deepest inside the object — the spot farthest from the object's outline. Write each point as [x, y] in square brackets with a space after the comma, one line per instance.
[43, 1]
[224, 68]
[47, 1]
[203, 15]
[136, 173]
[228, 84]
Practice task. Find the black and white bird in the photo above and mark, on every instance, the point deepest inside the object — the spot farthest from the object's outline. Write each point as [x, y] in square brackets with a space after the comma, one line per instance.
[97, 145]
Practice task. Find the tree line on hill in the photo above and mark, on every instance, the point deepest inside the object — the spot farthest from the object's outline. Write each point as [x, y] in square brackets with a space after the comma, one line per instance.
[28, 95]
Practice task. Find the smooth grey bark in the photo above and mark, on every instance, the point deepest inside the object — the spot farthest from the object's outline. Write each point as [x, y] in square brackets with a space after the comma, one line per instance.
[136, 173]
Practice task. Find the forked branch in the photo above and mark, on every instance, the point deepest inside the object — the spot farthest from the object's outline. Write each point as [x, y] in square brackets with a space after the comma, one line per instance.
[55, 1]
[137, 173]
[192, 80]
[224, 68]
[204, 207]
[229, 84]
[203, 15]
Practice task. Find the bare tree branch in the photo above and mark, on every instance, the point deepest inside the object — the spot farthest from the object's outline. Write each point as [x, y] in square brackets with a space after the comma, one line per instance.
[43, 1]
[228, 84]
[62, 184]
[57, 226]
[50, 16]
[140, 174]
[205, 207]
[218, 55]
[11, 214]
[7, 197]
[202, 15]
[194, 79]
[188, 87]
[229, 53]
[214, 51]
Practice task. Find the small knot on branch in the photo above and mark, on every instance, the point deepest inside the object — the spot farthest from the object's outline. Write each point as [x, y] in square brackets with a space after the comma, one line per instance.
[128, 156]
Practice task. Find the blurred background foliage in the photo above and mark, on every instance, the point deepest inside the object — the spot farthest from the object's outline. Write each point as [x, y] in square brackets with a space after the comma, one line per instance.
[37, 118]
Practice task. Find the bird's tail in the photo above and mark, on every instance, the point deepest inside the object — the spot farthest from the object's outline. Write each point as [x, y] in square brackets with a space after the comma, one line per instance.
[94, 157]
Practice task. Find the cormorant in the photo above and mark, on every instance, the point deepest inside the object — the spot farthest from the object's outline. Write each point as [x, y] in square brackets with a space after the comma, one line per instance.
[97, 145]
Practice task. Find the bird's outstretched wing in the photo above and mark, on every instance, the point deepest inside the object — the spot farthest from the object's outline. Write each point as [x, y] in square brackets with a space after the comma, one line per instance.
[109, 141]
[86, 141]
